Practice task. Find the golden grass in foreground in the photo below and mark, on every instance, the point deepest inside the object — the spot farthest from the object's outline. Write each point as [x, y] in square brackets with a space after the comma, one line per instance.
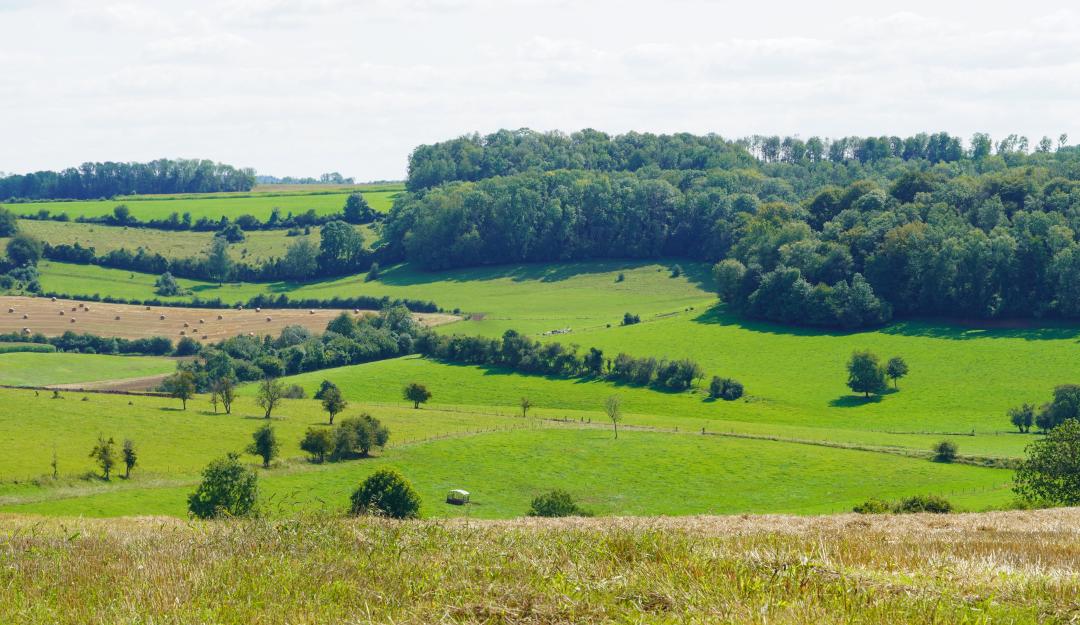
[978, 568]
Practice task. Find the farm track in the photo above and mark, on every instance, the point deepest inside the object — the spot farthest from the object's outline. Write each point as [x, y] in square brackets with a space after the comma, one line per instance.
[53, 318]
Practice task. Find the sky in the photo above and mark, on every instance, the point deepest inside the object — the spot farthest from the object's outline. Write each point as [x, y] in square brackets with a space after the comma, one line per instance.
[304, 87]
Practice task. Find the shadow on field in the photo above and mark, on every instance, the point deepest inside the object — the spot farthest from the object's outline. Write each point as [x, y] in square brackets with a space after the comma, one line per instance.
[409, 275]
[950, 329]
[489, 370]
[854, 401]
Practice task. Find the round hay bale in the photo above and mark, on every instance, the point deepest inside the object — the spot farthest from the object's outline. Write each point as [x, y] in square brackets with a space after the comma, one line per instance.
[202, 320]
[269, 319]
[74, 308]
[11, 310]
[239, 307]
[26, 330]
[61, 313]
[73, 320]
[257, 309]
[182, 333]
[187, 325]
[311, 312]
[251, 334]
[204, 337]
[54, 299]
[161, 317]
[81, 304]
[25, 316]
[117, 317]
[147, 308]
[220, 317]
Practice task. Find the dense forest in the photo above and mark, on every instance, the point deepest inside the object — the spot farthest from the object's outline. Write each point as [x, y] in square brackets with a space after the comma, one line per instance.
[842, 233]
[106, 180]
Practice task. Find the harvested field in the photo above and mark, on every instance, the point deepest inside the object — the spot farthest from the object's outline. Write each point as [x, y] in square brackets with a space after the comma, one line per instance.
[132, 322]
[1014, 567]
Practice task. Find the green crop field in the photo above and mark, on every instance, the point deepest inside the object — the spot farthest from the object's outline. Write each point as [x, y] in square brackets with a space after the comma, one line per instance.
[256, 247]
[214, 206]
[40, 369]
[9, 348]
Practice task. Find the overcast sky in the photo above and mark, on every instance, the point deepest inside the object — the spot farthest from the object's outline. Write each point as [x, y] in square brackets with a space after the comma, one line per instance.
[309, 86]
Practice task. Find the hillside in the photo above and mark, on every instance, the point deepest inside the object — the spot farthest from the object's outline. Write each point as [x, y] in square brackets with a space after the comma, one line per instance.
[1011, 567]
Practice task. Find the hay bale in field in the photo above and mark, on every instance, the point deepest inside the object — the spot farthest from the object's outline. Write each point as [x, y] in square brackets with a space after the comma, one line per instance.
[251, 334]
[81, 305]
[202, 320]
[269, 319]
[356, 311]
[26, 330]
[54, 299]
[117, 317]
[147, 308]
[204, 337]
[220, 317]
[74, 308]
[73, 320]
[61, 313]
[161, 317]
[25, 316]
[311, 312]
[186, 325]
[11, 310]
[257, 309]
[182, 333]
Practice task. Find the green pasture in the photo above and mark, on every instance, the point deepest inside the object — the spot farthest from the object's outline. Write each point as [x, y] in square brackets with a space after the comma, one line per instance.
[9, 348]
[640, 473]
[40, 369]
[213, 206]
[257, 246]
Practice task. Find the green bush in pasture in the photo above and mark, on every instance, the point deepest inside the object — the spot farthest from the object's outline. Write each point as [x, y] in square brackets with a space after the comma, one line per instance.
[556, 503]
[228, 489]
[945, 451]
[386, 493]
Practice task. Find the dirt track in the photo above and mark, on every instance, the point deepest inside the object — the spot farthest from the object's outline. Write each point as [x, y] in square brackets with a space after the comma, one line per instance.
[40, 314]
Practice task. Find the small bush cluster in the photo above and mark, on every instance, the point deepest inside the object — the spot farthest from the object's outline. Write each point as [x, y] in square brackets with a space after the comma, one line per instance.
[918, 503]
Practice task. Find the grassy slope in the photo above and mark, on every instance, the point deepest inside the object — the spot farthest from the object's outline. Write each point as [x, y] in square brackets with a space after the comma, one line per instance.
[256, 247]
[38, 369]
[213, 205]
[640, 473]
[995, 568]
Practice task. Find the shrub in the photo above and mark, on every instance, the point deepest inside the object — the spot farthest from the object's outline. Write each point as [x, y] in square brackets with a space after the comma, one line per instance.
[228, 489]
[556, 503]
[725, 388]
[187, 346]
[945, 451]
[385, 492]
[923, 503]
[873, 506]
[630, 319]
[1048, 474]
[318, 442]
[294, 391]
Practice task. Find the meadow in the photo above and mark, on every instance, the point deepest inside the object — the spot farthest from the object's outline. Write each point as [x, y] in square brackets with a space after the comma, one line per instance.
[1016, 567]
[214, 206]
[257, 247]
[42, 369]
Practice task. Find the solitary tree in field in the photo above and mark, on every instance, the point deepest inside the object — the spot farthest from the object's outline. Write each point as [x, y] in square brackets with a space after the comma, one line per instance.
[264, 444]
[181, 385]
[526, 403]
[104, 453]
[218, 264]
[333, 402]
[896, 368]
[1023, 417]
[1051, 472]
[417, 394]
[271, 392]
[613, 408]
[865, 375]
[225, 391]
[131, 457]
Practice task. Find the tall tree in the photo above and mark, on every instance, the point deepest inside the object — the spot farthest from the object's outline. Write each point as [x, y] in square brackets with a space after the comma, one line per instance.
[613, 409]
[865, 374]
[271, 392]
[218, 264]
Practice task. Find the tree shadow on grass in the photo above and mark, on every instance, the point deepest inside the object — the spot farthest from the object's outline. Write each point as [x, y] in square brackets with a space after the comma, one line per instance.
[854, 401]
[490, 370]
[412, 275]
[1030, 330]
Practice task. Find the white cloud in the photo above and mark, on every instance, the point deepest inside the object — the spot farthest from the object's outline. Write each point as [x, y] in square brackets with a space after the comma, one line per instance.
[305, 86]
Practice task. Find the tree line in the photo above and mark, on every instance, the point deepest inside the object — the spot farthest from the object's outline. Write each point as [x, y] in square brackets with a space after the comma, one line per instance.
[522, 354]
[509, 152]
[849, 243]
[109, 179]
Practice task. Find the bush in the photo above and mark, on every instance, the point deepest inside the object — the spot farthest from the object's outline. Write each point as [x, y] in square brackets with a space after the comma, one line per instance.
[557, 503]
[630, 319]
[385, 492]
[918, 503]
[873, 506]
[294, 391]
[725, 388]
[923, 503]
[945, 451]
[318, 442]
[187, 346]
[228, 489]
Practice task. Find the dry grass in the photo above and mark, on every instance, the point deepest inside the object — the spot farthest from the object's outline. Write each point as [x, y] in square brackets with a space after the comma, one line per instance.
[1005, 567]
[43, 315]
